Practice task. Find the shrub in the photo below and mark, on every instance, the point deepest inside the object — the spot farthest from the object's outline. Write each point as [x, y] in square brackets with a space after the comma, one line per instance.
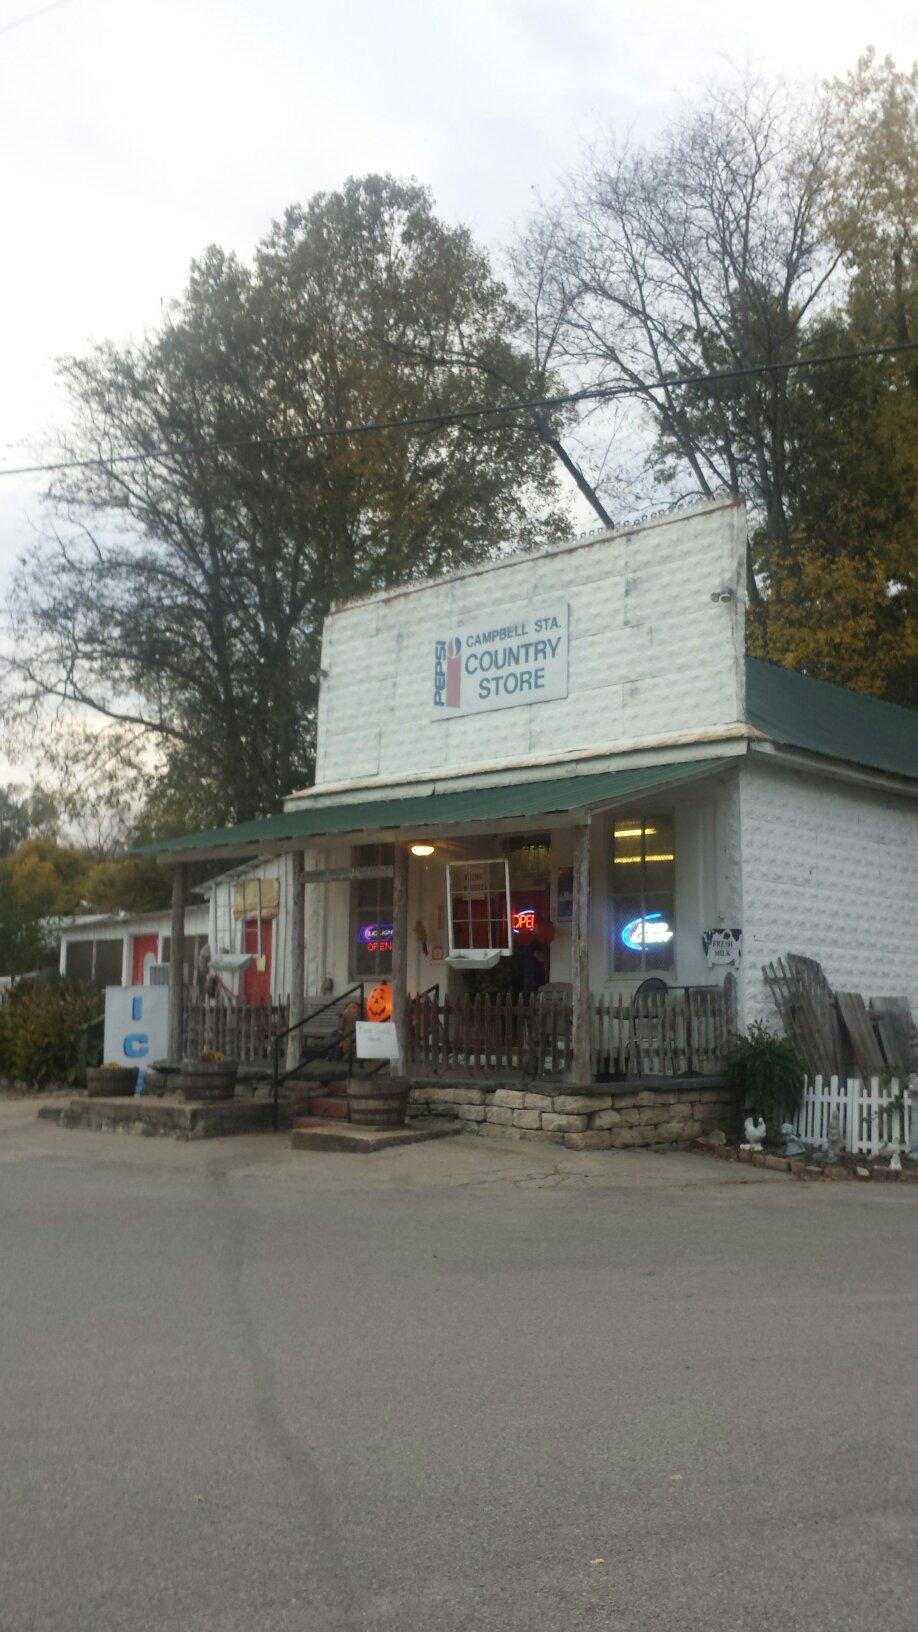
[40, 1030]
[769, 1073]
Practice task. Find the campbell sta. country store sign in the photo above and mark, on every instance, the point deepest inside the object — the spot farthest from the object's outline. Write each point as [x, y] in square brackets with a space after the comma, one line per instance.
[501, 662]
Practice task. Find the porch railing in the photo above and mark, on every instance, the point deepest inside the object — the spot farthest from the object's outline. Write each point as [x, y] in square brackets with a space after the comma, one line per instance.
[242, 1031]
[484, 1035]
[685, 1032]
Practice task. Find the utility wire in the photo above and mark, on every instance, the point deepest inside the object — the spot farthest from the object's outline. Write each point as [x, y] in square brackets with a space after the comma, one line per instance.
[30, 16]
[592, 393]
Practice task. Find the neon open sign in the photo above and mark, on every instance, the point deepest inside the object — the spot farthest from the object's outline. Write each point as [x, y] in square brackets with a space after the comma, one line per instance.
[652, 930]
[525, 920]
[376, 937]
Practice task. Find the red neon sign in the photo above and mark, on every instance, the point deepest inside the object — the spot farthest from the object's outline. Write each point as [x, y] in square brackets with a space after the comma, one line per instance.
[523, 920]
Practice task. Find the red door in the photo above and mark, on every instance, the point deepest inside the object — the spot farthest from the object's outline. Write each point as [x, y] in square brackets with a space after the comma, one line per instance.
[144, 949]
[256, 983]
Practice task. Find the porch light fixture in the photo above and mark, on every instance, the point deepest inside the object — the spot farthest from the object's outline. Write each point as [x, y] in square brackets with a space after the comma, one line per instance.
[422, 849]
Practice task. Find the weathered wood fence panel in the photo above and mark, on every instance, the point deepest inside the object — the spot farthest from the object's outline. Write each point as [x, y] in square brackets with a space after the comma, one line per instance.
[667, 1035]
[487, 1036]
[242, 1031]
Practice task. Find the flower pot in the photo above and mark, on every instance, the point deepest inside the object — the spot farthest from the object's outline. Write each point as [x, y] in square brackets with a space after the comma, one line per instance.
[205, 1080]
[381, 1102]
[111, 1081]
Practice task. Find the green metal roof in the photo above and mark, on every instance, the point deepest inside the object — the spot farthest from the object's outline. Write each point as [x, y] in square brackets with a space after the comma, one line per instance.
[788, 707]
[496, 803]
[805, 713]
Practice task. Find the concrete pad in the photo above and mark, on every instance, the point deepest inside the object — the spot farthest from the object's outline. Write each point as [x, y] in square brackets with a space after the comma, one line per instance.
[349, 1140]
[170, 1115]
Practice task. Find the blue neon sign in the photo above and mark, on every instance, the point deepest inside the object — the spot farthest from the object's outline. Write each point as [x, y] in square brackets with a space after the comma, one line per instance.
[651, 930]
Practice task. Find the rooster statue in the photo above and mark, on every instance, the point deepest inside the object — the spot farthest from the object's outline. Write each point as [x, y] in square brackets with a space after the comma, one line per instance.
[754, 1129]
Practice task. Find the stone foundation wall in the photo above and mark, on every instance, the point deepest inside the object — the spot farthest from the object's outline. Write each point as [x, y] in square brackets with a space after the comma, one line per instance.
[617, 1120]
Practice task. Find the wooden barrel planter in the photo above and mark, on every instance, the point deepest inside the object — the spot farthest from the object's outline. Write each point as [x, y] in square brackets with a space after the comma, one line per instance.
[205, 1080]
[381, 1102]
[111, 1081]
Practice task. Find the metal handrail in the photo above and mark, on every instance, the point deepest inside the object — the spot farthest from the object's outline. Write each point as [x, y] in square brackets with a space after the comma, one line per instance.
[278, 1076]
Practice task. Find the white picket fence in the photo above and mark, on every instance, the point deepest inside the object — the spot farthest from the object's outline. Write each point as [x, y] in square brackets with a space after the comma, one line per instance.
[874, 1115]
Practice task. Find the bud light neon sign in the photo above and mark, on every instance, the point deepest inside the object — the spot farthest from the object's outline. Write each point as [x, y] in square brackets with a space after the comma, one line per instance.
[650, 930]
[376, 937]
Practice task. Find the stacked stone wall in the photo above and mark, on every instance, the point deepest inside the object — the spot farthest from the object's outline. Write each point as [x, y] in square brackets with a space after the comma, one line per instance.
[617, 1120]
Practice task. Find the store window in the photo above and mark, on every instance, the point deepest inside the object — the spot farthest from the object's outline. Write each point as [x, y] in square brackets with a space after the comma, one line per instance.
[479, 906]
[371, 914]
[193, 945]
[98, 963]
[643, 894]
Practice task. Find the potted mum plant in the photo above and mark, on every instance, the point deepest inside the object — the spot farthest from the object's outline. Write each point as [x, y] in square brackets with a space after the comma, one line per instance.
[211, 1076]
[111, 1081]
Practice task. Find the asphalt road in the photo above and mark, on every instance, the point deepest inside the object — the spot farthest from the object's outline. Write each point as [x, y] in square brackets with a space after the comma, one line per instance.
[455, 1386]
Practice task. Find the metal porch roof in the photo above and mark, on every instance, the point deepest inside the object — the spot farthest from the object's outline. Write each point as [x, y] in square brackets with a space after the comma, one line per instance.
[468, 805]
[825, 719]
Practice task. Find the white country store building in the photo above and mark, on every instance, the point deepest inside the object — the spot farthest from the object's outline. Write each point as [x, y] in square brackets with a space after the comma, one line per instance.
[550, 780]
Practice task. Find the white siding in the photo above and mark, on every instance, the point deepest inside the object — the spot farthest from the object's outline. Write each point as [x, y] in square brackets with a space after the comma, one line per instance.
[651, 654]
[829, 870]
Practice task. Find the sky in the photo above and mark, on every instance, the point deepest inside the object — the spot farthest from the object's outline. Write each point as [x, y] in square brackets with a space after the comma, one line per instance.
[135, 134]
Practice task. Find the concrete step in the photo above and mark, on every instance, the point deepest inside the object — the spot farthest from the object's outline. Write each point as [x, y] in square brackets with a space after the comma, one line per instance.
[311, 1134]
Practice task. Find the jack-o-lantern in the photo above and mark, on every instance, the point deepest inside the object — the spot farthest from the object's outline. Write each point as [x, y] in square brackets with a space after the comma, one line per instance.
[379, 1003]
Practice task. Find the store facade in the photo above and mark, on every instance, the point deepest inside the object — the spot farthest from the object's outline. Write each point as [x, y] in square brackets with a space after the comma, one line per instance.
[553, 790]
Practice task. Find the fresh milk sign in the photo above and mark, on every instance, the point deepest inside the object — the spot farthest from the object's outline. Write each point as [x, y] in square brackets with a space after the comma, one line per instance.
[517, 656]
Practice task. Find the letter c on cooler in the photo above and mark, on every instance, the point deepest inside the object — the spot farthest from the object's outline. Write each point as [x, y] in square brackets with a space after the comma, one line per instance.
[136, 1045]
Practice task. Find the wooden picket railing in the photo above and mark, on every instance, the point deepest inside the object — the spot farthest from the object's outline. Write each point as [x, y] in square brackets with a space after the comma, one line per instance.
[687, 1031]
[489, 1035]
[242, 1031]
[684, 1031]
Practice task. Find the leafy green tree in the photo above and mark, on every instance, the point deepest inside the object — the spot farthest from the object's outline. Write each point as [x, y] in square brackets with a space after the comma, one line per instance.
[872, 199]
[26, 815]
[26, 939]
[126, 884]
[840, 595]
[184, 593]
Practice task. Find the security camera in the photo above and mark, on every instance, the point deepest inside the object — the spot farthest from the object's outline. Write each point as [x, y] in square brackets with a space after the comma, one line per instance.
[723, 595]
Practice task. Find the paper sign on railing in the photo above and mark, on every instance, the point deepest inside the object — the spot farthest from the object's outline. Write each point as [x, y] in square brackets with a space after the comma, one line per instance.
[376, 1040]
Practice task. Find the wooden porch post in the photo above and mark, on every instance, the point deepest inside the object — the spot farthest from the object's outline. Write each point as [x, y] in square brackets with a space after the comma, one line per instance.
[297, 953]
[400, 952]
[177, 965]
[582, 1061]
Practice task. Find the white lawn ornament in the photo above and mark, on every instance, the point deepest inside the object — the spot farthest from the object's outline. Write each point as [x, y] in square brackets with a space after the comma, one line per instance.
[754, 1129]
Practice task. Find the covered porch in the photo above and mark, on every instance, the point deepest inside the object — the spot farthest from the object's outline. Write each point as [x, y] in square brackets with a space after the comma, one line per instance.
[624, 995]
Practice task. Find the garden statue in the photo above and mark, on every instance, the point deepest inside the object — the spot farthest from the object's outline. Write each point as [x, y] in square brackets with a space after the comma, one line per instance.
[834, 1136]
[793, 1145]
[754, 1129]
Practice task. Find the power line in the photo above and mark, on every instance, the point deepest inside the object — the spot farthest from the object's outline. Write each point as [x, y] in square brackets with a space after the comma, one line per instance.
[594, 393]
[30, 16]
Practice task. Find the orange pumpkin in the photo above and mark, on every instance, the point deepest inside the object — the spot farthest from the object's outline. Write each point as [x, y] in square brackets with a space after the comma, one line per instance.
[379, 1003]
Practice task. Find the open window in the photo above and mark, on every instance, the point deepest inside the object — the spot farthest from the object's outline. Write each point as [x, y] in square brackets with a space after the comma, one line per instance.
[478, 895]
